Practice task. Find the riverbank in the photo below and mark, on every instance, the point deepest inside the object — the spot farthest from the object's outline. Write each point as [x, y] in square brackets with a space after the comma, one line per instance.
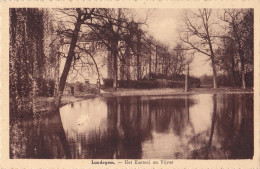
[45, 104]
[174, 91]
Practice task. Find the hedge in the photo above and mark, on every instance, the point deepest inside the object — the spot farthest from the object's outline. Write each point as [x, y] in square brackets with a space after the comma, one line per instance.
[108, 83]
[145, 84]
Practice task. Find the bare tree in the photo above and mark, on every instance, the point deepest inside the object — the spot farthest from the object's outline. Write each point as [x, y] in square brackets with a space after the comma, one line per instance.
[79, 16]
[198, 34]
[115, 27]
[178, 60]
[109, 26]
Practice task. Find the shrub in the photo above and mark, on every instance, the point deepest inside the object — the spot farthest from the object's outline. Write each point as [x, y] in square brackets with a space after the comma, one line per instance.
[227, 80]
[175, 84]
[137, 84]
[108, 83]
[249, 79]
[144, 84]
[194, 82]
[125, 83]
[80, 87]
[51, 87]
[178, 77]
[206, 80]
[45, 87]
[224, 80]
[162, 83]
[93, 90]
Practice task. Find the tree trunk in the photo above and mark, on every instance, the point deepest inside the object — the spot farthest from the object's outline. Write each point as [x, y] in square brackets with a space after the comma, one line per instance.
[127, 66]
[150, 61]
[122, 67]
[233, 71]
[213, 120]
[14, 111]
[110, 65]
[212, 57]
[241, 55]
[214, 76]
[70, 56]
[156, 55]
[138, 55]
[114, 56]
[122, 70]
[187, 79]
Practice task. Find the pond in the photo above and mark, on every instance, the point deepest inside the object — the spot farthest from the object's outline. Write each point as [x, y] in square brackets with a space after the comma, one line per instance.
[203, 126]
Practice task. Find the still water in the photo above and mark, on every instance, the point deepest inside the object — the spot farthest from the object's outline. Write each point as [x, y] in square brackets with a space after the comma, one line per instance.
[203, 126]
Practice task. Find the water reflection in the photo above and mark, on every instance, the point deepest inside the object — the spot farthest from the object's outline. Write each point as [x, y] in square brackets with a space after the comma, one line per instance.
[42, 138]
[198, 126]
[183, 127]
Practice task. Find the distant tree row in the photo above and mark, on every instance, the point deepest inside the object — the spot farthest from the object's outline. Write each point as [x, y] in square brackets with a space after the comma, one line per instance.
[128, 44]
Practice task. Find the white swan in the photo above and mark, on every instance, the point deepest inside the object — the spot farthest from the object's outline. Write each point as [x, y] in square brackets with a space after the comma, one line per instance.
[83, 119]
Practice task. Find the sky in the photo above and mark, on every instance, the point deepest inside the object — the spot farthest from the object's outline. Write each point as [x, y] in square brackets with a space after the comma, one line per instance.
[163, 24]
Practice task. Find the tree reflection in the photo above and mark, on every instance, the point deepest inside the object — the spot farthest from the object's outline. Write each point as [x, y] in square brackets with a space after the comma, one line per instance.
[131, 121]
[235, 127]
[44, 137]
[233, 118]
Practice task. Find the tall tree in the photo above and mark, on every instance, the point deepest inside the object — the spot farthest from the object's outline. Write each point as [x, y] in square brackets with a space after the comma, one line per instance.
[108, 24]
[198, 34]
[226, 59]
[79, 17]
[115, 27]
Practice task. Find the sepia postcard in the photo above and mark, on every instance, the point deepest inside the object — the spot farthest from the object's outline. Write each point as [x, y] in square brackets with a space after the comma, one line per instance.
[129, 84]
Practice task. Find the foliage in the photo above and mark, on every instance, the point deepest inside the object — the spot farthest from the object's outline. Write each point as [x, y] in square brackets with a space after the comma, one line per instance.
[27, 59]
[206, 80]
[108, 83]
[80, 87]
[46, 86]
[224, 80]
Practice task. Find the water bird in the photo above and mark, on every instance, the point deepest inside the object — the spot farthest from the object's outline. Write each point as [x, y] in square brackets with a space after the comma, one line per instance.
[83, 119]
